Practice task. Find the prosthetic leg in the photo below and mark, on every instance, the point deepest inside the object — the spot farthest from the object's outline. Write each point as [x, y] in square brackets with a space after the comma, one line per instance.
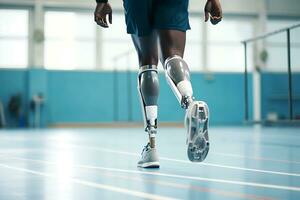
[148, 88]
[196, 118]
[178, 77]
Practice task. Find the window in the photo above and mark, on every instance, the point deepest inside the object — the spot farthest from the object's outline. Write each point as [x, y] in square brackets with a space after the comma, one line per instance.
[70, 40]
[276, 46]
[118, 51]
[225, 51]
[14, 38]
[193, 49]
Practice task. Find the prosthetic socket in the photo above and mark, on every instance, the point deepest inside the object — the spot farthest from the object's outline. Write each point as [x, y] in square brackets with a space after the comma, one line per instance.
[148, 88]
[178, 77]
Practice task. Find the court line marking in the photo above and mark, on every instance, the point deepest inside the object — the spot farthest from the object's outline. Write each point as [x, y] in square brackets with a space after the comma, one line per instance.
[188, 162]
[255, 158]
[191, 163]
[93, 184]
[224, 154]
[241, 156]
[214, 180]
[176, 185]
[194, 187]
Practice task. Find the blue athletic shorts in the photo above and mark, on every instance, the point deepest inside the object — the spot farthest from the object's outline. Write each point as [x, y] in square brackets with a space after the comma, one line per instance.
[143, 16]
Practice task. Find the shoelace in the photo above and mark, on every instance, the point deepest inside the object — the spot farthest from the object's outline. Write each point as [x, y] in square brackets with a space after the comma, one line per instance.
[145, 148]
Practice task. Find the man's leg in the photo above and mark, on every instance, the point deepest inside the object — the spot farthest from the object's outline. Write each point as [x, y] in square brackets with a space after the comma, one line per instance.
[172, 43]
[148, 88]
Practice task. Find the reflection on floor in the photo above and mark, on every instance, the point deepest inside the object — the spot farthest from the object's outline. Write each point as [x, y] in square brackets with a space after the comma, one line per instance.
[243, 163]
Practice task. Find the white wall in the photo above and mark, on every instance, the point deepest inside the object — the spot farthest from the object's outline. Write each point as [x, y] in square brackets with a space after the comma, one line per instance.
[257, 8]
[274, 7]
[283, 7]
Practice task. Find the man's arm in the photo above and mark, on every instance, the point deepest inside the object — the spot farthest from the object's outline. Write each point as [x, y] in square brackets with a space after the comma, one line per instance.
[213, 10]
[103, 9]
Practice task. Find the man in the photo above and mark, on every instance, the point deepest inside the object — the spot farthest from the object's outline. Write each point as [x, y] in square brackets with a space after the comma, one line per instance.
[163, 23]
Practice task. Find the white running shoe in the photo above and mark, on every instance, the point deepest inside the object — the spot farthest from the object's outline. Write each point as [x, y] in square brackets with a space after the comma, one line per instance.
[196, 122]
[149, 158]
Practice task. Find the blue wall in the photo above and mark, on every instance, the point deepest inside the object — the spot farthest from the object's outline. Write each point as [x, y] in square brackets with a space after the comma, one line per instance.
[88, 97]
[274, 89]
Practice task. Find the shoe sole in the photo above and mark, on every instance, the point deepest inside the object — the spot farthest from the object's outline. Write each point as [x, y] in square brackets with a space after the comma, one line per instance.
[149, 165]
[198, 144]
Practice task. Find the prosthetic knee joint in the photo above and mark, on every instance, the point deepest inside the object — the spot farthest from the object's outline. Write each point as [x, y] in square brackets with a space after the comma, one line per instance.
[178, 77]
[148, 88]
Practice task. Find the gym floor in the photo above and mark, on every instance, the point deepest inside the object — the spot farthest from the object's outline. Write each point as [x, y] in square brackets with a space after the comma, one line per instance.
[243, 163]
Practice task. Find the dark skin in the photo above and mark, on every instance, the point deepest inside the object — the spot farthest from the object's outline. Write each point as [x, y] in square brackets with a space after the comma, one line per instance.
[172, 42]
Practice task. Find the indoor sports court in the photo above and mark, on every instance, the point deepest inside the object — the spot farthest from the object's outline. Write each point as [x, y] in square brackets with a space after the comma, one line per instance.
[88, 112]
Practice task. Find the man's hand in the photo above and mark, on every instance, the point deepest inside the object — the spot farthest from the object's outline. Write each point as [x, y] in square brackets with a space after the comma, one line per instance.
[213, 11]
[101, 11]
